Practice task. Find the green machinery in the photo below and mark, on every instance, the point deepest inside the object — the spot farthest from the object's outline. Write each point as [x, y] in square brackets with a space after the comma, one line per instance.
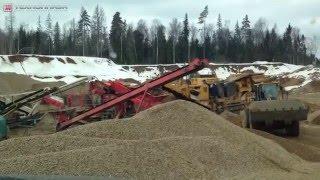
[3, 128]
[20, 112]
[271, 110]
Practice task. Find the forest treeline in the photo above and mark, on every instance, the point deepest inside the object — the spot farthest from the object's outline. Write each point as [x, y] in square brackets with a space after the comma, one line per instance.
[125, 43]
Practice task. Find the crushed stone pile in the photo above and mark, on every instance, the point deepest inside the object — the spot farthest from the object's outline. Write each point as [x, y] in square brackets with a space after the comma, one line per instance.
[314, 118]
[300, 148]
[175, 140]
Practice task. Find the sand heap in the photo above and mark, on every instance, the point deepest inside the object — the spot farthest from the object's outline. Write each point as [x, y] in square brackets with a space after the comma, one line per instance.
[11, 83]
[14, 83]
[176, 140]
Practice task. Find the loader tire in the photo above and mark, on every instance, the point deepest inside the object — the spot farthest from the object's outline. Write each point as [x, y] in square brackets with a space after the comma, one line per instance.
[293, 129]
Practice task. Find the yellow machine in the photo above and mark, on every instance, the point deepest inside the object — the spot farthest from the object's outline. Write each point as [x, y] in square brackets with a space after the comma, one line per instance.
[232, 94]
[193, 88]
[264, 102]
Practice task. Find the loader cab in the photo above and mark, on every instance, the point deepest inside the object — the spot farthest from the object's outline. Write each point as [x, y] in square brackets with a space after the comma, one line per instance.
[267, 91]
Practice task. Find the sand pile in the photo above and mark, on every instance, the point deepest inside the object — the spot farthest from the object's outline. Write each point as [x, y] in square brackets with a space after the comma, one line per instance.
[293, 145]
[176, 140]
[314, 118]
[14, 83]
[11, 83]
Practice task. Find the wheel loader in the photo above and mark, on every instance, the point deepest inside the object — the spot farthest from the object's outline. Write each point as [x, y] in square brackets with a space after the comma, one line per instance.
[263, 105]
[271, 111]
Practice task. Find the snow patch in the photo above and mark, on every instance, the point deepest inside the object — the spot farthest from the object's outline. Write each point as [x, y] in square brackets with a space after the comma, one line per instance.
[106, 69]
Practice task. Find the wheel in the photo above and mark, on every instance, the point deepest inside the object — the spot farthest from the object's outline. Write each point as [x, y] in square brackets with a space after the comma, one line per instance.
[293, 129]
[244, 119]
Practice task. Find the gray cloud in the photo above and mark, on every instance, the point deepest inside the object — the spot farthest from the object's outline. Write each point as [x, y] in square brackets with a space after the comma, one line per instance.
[300, 13]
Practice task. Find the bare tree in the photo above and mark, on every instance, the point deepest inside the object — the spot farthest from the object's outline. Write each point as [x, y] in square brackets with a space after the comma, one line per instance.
[174, 32]
[154, 34]
[193, 33]
[259, 30]
[98, 22]
[10, 20]
[2, 42]
[312, 46]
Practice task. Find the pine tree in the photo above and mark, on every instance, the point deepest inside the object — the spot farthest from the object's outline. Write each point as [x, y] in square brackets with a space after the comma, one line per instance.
[130, 53]
[23, 40]
[247, 39]
[183, 42]
[116, 35]
[202, 20]
[303, 49]
[287, 41]
[83, 28]
[245, 29]
[161, 31]
[194, 42]
[49, 34]
[219, 23]
[237, 34]
[221, 40]
[274, 44]
[57, 39]
[266, 46]
[236, 44]
[106, 43]
[37, 38]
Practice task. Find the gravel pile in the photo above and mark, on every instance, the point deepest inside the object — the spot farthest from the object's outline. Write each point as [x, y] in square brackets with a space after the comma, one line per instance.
[293, 145]
[176, 140]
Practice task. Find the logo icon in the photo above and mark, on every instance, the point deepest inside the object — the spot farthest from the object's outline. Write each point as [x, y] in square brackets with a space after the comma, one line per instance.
[7, 7]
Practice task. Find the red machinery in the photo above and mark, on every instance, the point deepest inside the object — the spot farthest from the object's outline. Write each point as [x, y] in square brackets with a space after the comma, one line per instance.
[115, 96]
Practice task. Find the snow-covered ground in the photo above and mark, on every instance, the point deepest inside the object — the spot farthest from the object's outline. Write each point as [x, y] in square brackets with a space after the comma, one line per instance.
[70, 68]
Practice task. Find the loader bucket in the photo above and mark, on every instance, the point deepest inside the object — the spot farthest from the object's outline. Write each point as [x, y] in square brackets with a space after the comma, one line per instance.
[271, 111]
[275, 115]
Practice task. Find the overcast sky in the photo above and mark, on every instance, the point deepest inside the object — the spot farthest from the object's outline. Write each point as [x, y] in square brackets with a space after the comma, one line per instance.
[304, 14]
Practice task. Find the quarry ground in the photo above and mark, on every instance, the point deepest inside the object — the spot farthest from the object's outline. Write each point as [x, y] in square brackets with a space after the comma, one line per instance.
[159, 144]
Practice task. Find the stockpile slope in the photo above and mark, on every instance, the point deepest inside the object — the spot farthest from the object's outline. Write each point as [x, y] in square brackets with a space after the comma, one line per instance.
[174, 140]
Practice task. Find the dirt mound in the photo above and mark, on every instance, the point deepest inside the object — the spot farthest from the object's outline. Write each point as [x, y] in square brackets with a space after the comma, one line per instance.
[17, 58]
[70, 61]
[175, 140]
[314, 118]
